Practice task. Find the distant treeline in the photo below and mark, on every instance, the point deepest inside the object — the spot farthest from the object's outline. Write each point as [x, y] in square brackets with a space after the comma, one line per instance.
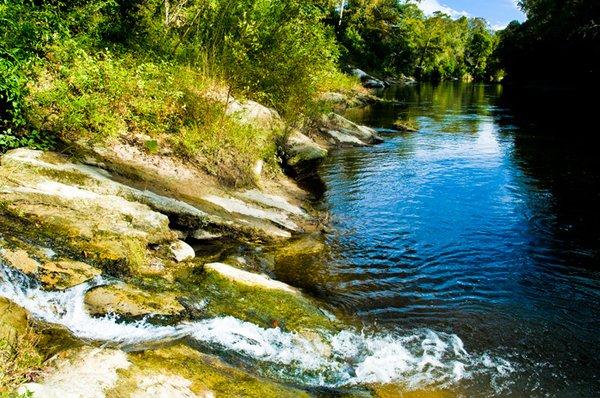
[560, 41]
[394, 37]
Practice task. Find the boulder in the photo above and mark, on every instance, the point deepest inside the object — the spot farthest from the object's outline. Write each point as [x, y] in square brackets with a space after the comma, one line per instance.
[367, 80]
[125, 300]
[302, 152]
[373, 83]
[344, 139]
[346, 132]
[255, 114]
[333, 97]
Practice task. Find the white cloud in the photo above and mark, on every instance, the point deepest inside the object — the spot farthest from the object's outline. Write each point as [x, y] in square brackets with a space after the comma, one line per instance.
[499, 26]
[431, 6]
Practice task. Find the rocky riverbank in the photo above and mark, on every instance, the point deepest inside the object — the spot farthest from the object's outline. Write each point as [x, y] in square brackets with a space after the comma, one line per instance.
[117, 237]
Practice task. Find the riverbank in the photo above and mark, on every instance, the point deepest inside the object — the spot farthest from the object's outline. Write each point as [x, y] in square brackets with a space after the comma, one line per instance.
[116, 245]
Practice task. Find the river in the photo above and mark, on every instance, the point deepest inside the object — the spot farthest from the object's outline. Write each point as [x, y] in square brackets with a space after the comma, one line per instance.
[484, 223]
[464, 256]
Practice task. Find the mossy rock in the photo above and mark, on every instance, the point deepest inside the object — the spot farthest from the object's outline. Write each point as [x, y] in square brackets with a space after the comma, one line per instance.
[57, 274]
[128, 301]
[264, 307]
[202, 375]
[80, 209]
[20, 358]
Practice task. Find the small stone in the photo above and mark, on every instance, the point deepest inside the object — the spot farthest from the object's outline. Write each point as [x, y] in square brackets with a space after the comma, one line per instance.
[181, 251]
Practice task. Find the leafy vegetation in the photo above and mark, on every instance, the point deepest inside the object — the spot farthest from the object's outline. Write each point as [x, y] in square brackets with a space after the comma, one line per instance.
[559, 41]
[155, 71]
[395, 37]
[109, 69]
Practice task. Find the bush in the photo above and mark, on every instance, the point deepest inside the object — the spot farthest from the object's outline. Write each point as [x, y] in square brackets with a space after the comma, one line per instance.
[83, 98]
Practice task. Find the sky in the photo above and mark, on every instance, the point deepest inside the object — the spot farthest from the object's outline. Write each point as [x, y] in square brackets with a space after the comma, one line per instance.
[497, 12]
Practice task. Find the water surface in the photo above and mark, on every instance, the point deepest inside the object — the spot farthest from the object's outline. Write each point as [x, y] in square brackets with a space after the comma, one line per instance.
[484, 223]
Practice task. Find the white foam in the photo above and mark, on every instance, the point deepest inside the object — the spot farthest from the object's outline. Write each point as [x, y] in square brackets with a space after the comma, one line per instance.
[415, 360]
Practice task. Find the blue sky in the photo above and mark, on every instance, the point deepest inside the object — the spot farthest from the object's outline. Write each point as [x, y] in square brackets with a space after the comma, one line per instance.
[497, 12]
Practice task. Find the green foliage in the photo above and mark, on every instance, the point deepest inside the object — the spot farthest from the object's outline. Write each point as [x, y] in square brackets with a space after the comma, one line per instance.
[100, 69]
[271, 50]
[162, 105]
[25, 32]
[394, 37]
[560, 40]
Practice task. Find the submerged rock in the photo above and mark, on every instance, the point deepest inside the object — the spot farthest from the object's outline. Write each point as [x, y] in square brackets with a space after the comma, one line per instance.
[125, 300]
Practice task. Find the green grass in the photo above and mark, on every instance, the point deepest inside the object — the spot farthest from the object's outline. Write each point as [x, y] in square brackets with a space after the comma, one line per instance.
[79, 97]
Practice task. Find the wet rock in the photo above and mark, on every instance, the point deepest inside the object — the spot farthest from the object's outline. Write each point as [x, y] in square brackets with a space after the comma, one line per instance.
[179, 371]
[181, 251]
[374, 83]
[255, 298]
[87, 372]
[248, 278]
[53, 275]
[125, 300]
[367, 80]
[20, 260]
[302, 152]
[65, 274]
[205, 235]
[342, 139]
[345, 128]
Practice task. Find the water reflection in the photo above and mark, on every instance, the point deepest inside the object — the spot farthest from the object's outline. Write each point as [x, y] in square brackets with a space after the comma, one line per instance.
[484, 224]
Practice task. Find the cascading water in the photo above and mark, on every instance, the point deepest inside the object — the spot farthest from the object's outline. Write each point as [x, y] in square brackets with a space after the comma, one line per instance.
[416, 360]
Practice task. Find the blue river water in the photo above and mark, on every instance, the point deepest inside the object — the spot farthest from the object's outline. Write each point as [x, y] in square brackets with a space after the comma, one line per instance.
[484, 223]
